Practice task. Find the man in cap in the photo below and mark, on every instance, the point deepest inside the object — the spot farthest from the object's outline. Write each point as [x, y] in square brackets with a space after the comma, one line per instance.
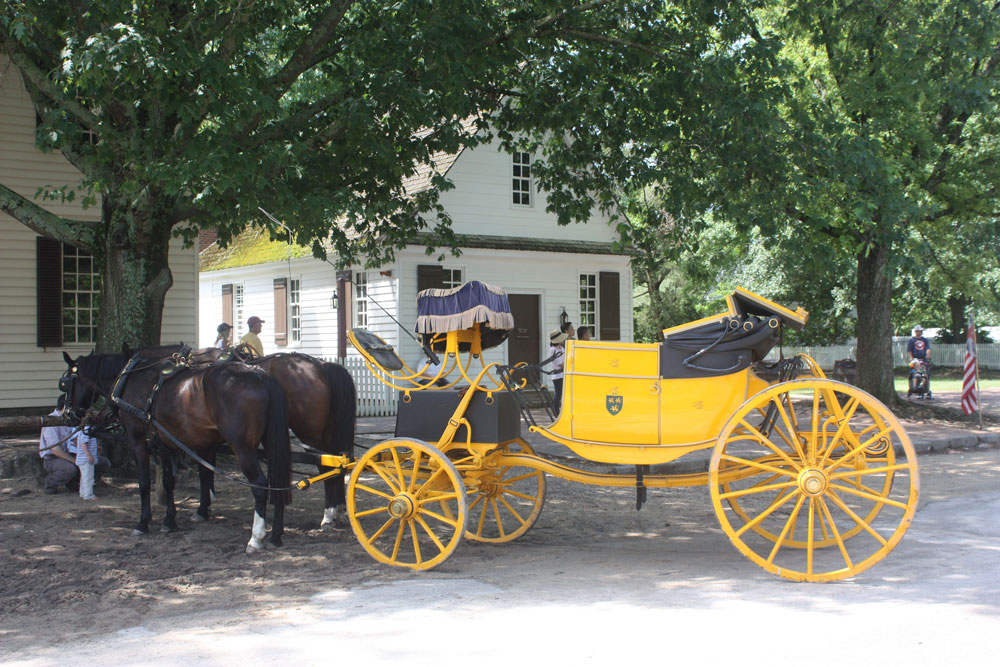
[251, 338]
[919, 348]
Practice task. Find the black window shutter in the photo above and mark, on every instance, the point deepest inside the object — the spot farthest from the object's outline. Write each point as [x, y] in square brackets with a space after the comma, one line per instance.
[48, 282]
[429, 276]
[610, 306]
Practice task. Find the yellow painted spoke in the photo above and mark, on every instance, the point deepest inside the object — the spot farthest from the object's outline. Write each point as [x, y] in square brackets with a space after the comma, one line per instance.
[440, 517]
[759, 465]
[435, 496]
[475, 502]
[852, 407]
[810, 535]
[857, 519]
[399, 469]
[814, 433]
[426, 489]
[770, 445]
[849, 455]
[526, 475]
[418, 558]
[870, 471]
[416, 470]
[374, 492]
[788, 524]
[377, 510]
[836, 533]
[399, 540]
[518, 494]
[482, 518]
[381, 530]
[870, 496]
[430, 533]
[512, 510]
[496, 513]
[792, 429]
[756, 489]
[766, 513]
[391, 483]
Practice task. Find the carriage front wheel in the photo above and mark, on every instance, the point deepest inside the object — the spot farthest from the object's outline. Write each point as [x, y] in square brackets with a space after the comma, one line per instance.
[407, 504]
[814, 480]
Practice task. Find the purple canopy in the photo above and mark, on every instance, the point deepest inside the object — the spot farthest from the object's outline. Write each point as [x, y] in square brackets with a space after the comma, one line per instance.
[443, 310]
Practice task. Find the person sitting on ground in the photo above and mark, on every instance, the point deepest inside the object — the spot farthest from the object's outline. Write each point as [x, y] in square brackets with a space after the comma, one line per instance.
[252, 339]
[225, 337]
[57, 447]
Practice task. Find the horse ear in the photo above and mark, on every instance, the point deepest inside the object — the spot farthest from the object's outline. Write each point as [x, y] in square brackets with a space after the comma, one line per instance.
[69, 359]
[126, 352]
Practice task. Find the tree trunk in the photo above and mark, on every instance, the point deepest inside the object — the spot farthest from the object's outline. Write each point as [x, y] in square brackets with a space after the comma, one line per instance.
[956, 308]
[874, 303]
[136, 279]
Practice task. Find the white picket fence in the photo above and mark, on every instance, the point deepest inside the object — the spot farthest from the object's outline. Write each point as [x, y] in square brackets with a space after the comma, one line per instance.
[375, 399]
[941, 354]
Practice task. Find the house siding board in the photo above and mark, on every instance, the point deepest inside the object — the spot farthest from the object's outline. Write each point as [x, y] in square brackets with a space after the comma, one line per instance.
[32, 373]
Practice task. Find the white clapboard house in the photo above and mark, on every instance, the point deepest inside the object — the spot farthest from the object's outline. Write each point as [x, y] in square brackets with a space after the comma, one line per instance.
[48, 302]
[550, 272]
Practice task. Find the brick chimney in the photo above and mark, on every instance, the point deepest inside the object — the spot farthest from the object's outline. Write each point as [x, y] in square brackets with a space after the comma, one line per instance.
[206, 237]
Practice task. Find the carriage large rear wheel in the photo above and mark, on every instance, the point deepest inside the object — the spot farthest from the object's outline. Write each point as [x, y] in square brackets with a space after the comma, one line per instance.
[506, 500]
[814, 480]
[406, 502]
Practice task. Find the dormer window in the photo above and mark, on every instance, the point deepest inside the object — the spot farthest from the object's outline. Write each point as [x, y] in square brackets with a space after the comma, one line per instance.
[521, 182]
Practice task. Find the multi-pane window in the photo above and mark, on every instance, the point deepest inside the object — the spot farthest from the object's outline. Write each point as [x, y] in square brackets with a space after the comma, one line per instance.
[361, 300]
[81, 293]
[588, 302]
[451, 278]
[295, 312]
[521, 179]
[240, 325]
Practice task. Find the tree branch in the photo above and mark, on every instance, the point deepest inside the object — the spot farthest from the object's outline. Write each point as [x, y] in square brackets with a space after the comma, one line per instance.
[79, 233]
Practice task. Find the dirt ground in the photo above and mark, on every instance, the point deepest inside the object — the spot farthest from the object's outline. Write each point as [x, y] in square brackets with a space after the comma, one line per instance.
[74, 567]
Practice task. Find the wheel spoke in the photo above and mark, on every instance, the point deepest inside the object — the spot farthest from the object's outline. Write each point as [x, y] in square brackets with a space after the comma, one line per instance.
[482, 516]
[869, 496]
[513, 511]
[784, 532]
[440, 517]
[870, 471]
[810, 535]
[858, 520]
[814, 434]
[399, 470]
[399, 540]
[739, 493]
[381, 530]
[836, 533]
[518, 494]
[792, 429]
[775, 505]
[527, 475]
[845, 422]
[377, 510]
[391, 483]
[770, 445]
[374, 492]
[759, 465]
[430, 533]
[417, 556]
[496, 513]
[843, 459]
[416, 471]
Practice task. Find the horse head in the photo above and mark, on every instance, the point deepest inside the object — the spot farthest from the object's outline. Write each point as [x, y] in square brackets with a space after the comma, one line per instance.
[89, 378]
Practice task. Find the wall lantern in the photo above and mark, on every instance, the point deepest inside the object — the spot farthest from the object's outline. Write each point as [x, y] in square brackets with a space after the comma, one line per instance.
[333, 300]
[563, 318]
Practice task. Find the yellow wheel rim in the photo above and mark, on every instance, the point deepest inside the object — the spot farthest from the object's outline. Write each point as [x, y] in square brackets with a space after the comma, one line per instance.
[406, 502]
[507, 500]
[814, 480]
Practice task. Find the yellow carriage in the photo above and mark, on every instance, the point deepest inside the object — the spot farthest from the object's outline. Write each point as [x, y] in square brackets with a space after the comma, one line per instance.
[812, 479]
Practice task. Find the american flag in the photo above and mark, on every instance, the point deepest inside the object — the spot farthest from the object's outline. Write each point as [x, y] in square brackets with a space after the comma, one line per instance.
[970, 400]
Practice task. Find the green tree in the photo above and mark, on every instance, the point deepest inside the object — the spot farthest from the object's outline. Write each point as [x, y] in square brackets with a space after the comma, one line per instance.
[188, 114]
[892, 131]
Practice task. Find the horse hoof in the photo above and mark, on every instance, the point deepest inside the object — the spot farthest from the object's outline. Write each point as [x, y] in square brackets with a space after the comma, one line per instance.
[197, 518]
[138, 532]
[276, 542]
[167, 529]
[251, 549]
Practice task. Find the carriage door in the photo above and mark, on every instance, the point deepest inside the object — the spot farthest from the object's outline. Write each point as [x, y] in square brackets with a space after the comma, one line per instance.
[524, 343]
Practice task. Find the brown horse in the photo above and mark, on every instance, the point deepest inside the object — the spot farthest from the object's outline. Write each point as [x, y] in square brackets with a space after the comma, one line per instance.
[201, 408]
[322, 411]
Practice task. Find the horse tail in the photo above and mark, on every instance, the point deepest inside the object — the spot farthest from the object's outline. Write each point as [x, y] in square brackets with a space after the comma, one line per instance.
[277, 447]
[339, 432]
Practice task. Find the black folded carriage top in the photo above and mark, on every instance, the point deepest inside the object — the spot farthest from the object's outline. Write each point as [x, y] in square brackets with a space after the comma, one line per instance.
[728, 342]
